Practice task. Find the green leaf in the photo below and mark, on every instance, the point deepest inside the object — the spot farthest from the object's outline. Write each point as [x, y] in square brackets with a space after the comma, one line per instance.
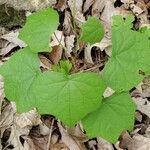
[64, 66]
[130, 54]
[115, 115]
[68, 97]
[92, 31]
[19, 74]
[120, 22]
[39, 28]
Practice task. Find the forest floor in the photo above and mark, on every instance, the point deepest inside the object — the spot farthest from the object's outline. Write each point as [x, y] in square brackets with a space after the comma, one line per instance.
[30, 131]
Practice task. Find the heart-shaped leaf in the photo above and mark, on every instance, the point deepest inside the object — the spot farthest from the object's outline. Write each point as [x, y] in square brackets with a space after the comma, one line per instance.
[115, 115]
[92, 31]
[68, 97]
[39, 28]
[130, 55]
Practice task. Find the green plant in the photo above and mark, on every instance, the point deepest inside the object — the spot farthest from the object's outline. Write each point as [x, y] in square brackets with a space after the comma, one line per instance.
[79, 96]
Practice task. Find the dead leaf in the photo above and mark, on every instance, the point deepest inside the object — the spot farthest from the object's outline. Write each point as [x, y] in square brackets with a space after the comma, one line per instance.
[12, 37]
[69, 40]
[143, 105]
[141, 142]
[104, 145]
[68, 140]
[67, 25]
[126, 142]
[87, 54]
[107, 14]
[14, 138]
[61, 5]
[12, 41]
[56, 54]
[6, 117]
[44, 62]
[97, 7]
[58, 39]
[87, 5]
[76, 10]
[108, 92]
[31, 118]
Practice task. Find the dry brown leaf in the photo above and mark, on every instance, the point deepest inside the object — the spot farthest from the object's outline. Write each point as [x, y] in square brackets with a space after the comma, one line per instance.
[61, 5]
[77, 133]
[6, 117]
[126, 142]
[39, 143]
[104, 145]
[31, 118]
[76, 10]
[107, 14]
[97, 7]
[44, 130]
[108, 92]
[14, 138]
[69, 40]
[60, 146]
[56, 54]
[58, 39]
[12, 37]
[143, 105]
[87, 54]
[11, 42]
[75, 6]
[141, 142]
[44, 62]
[67, 25]
[87, 5]
[68, 140]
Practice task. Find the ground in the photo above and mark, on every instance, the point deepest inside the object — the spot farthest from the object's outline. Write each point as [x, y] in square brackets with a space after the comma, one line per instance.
[32, 131]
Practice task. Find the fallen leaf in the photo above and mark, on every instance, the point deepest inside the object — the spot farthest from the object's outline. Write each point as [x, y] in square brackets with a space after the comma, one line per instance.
[58, 38]
[97, 7]
[69, 40]
[71, 143]
[143, 105]
[104, 145]
[12, 41]
[67, 25]
[12, 37]
[76, 10]
[61, 5]
[87, 5]
[141, 142]
[56, 54]
[6, 118]
[31, 118]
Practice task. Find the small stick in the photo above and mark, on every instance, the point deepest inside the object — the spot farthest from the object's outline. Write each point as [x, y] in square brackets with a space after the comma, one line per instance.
[50, 134]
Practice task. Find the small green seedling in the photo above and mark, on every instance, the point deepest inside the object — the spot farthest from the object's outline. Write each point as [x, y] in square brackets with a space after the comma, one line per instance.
[79, 97]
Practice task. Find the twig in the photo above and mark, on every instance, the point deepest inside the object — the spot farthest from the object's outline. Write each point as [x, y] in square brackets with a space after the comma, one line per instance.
[95, 67]
[50, 134]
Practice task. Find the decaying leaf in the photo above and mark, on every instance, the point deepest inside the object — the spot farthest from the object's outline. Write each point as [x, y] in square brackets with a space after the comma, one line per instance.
[68, 140]
[12, 41]
[143, 105]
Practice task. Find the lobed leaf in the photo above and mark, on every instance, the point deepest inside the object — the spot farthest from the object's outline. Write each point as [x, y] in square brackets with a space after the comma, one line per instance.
[115, 115]
[68, 97]
[130, 55]
[92, 31]
[39, 28]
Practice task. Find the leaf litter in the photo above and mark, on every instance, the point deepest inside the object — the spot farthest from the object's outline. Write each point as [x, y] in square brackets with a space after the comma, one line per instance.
[30, 130]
